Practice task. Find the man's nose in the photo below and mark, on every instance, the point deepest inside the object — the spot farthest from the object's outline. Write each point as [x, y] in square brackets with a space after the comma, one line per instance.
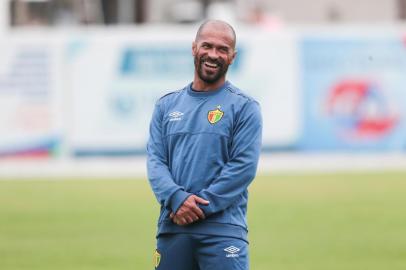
[213, 53]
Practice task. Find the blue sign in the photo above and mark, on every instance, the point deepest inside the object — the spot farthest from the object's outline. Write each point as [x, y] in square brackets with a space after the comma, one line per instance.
[161, 62]
[354, 93]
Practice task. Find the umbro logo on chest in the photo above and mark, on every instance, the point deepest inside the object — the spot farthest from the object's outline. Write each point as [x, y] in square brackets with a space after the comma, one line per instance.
[175, 116]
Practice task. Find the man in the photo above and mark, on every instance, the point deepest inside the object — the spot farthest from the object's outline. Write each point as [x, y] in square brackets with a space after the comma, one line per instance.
[202, 154]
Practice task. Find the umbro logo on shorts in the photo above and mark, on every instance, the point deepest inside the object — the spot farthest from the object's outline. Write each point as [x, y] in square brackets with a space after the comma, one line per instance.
[232, 252]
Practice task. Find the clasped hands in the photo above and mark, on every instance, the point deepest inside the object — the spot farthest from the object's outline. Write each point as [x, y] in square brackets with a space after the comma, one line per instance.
[189, 211]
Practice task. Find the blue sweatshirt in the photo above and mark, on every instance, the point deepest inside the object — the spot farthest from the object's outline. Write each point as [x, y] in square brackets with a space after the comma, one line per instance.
[207, 144]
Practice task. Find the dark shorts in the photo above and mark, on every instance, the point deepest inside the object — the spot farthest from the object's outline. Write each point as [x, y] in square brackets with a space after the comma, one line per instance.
[200, 252]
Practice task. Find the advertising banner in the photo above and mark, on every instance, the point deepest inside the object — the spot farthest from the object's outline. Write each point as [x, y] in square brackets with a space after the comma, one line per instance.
[354, 92]
[30, 108]
[116, 80]
[115, 84]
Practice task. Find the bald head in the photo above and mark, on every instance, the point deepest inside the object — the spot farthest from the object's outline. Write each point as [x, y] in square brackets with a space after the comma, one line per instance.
[216, 25]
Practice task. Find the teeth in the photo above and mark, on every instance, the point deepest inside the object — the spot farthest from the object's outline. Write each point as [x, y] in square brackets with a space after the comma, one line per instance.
[211, 65]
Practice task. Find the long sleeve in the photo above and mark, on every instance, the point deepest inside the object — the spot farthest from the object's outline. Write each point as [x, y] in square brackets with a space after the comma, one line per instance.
[168, 193]
[240, 170]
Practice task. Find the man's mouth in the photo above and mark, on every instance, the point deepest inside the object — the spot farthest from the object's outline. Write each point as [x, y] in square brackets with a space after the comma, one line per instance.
[211, 65]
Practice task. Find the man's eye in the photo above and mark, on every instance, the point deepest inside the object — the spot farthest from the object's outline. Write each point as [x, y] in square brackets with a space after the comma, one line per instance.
[206, 46]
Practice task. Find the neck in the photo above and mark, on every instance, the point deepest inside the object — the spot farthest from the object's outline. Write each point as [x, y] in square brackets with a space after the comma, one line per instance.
[200, 85]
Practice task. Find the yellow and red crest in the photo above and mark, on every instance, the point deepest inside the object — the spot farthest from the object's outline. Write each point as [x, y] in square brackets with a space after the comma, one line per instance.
[157, 258]
[215, 115]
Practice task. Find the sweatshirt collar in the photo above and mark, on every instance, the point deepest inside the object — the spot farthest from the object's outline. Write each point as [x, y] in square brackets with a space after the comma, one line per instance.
[194, 93]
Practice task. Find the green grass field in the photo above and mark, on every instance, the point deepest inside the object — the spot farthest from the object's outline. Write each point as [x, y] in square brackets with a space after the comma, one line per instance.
[297, 222]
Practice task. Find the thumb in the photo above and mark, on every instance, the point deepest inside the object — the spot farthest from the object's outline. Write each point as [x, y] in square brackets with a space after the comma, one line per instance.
[201, 200]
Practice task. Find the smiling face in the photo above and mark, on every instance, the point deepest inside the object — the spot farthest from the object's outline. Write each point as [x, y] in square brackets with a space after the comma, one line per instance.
[213, 52]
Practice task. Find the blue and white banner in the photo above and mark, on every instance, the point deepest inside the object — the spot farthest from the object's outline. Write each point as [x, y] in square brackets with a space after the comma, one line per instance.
[116, 80]
[30, 98]
[354, 92]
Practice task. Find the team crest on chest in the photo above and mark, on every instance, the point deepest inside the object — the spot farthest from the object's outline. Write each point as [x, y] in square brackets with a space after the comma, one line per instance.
[215, 115]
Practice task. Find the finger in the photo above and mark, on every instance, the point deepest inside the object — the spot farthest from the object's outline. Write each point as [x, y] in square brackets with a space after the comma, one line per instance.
[193, 216]
[201, 200]
[177, 221]
[182, 221]
[199, 212]
[189, 220]
[171, 215]
[193, 211]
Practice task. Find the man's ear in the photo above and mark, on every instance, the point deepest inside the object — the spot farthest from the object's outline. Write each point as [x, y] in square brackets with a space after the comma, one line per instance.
[194, 48]
[233, 56]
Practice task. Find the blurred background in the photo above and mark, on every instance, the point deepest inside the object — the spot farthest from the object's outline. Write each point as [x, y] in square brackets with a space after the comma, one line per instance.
[78, 83]
[79, 78]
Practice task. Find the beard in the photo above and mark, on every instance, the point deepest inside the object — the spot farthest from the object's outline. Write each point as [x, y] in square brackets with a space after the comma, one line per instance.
[210, 76]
